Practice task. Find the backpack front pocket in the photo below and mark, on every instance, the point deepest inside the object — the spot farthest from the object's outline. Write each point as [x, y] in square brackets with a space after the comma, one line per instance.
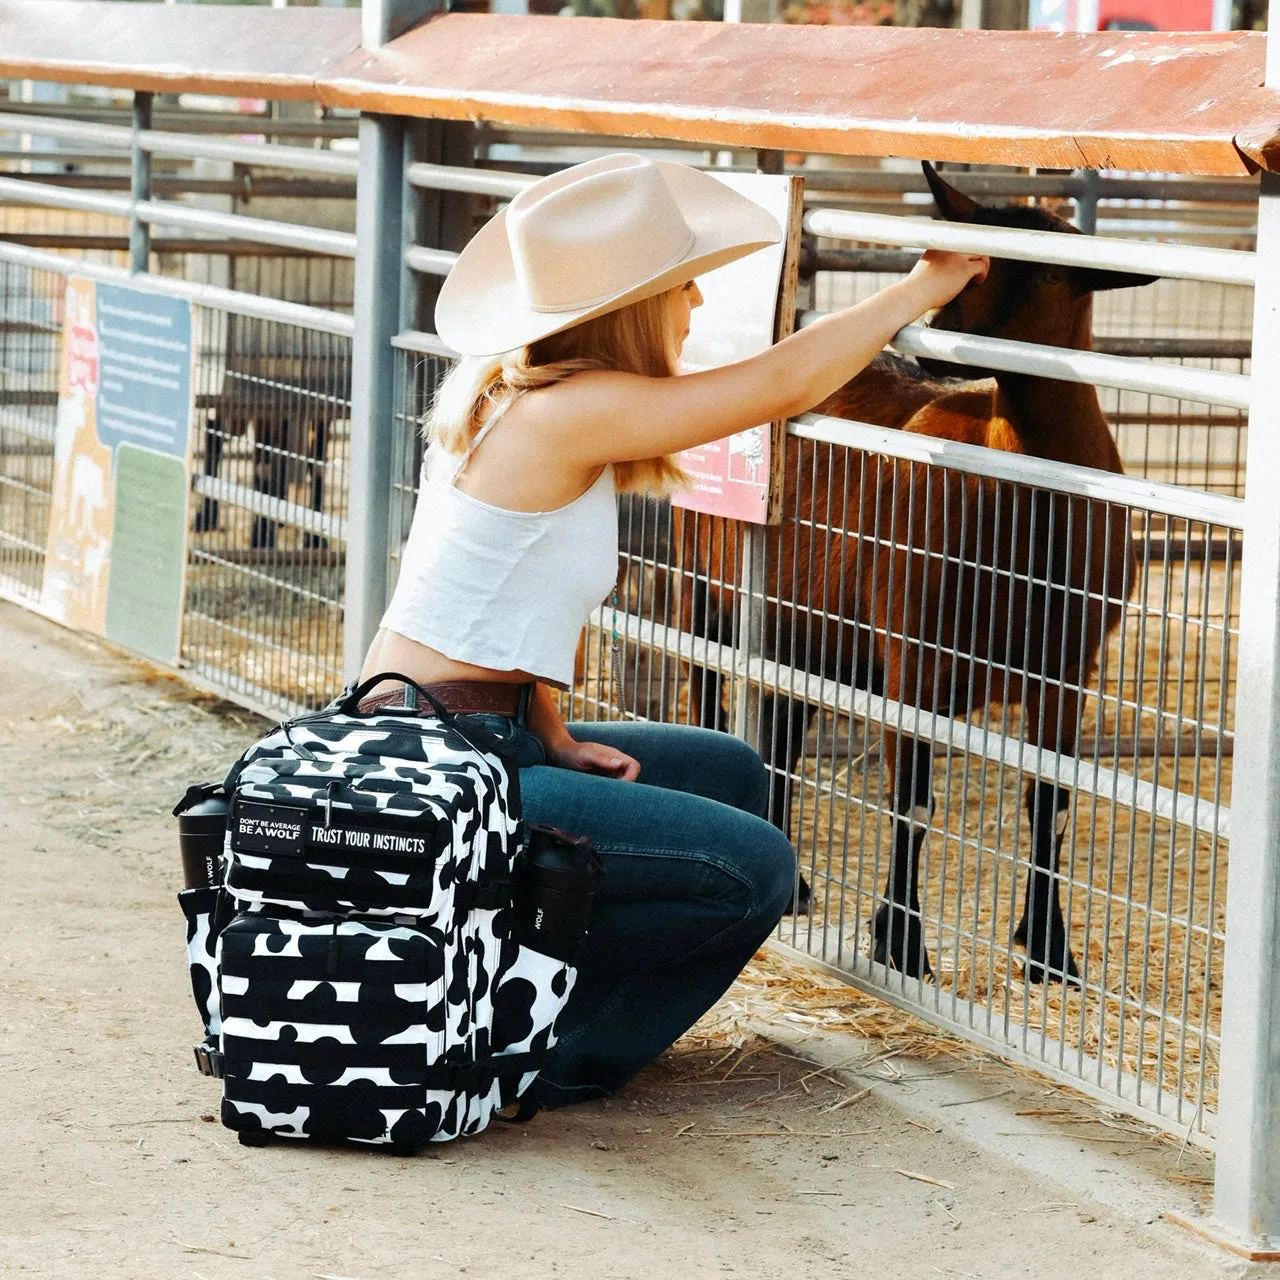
[327, 1029]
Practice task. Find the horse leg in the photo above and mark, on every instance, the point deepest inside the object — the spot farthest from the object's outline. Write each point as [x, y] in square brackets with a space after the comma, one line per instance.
[270, 469]
[897, 933]
[784, 724]
[1042, 929]
[207, 517]
[318, 438]
[1051, 712]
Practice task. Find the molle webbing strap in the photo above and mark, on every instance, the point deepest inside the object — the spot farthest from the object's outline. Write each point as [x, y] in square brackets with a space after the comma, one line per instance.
[476, 1077]
[484, 895]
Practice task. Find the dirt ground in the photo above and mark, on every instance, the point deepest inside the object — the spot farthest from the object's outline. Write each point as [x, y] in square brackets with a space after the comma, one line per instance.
[732, 1156]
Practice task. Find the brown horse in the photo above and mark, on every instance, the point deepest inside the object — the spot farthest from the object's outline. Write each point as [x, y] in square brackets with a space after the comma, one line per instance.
[947, 591]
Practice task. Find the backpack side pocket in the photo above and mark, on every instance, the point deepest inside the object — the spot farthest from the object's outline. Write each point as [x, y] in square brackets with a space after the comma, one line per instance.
[204, 911]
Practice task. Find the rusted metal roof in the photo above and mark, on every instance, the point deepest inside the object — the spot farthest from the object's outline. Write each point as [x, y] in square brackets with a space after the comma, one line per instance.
[236, 50]
[1188, 103]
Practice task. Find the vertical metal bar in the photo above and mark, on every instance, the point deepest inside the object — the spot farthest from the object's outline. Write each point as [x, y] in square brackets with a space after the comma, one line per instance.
[437, 219]
[1247, 1186]
[382, 20]
[752, 590]
[1087, 202]
[750, 637]
[379, 260]
[140, 186]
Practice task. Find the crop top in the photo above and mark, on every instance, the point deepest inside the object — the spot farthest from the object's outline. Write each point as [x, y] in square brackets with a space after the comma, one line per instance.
[508, 590]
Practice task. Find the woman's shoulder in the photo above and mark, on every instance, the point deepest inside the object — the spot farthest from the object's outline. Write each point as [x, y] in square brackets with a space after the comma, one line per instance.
[585, 398]
[437, 462]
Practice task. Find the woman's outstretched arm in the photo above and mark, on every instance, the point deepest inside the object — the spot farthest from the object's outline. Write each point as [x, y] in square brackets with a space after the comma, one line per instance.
[596, 418]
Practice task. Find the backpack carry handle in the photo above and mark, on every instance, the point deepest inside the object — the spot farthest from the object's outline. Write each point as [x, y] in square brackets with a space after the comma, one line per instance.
[350, 703]
[479, 739]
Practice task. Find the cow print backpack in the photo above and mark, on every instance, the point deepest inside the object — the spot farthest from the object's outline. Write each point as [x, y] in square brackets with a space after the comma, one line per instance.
[383, 947]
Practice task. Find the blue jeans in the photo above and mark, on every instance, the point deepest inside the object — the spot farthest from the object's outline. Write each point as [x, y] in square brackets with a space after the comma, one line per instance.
[694, 881]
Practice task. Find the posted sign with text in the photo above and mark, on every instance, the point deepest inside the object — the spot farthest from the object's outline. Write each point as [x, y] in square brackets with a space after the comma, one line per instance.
[747, 306]
[116, 556]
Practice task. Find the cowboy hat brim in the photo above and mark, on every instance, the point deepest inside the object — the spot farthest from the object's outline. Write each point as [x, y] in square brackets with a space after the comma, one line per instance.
[482, 310]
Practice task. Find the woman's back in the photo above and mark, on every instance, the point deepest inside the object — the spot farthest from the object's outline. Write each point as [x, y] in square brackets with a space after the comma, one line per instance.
[501, 587]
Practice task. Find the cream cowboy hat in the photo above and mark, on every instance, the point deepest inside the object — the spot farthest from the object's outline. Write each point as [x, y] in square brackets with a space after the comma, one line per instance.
[588, 240]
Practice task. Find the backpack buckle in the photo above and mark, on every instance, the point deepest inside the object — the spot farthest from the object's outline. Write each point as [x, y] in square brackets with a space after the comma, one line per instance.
[208, 1059]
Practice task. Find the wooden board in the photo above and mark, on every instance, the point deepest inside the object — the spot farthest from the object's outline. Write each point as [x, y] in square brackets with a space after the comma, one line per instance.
[1129, 100]
[1174, 103]
[237, 50]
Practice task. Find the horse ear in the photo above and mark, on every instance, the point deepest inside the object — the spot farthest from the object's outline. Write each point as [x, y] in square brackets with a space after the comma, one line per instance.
[953, 205]
[1097, 280]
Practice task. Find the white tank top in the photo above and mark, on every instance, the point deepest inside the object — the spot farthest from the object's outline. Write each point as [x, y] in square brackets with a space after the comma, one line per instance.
[508, 590]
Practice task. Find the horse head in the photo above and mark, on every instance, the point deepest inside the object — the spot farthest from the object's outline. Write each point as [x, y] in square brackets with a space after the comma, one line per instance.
[1025, 301]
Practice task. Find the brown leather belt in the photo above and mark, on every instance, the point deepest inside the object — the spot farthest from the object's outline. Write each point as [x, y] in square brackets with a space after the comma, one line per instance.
[464, 697]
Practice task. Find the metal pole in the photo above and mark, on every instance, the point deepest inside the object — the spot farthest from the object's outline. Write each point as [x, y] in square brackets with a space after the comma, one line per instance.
[1246, 1203]
[377, 311]
[752, 571]
[139, 185]
[1087, 202]
[379, 204]
[438, 218]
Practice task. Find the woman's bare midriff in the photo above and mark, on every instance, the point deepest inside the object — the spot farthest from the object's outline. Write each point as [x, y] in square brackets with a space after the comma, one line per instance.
[391, 651]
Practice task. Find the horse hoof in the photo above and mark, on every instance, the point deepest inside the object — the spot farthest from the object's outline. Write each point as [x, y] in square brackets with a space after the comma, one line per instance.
[801, 901]
[1037, 972]
[898, 946]
[206, 518]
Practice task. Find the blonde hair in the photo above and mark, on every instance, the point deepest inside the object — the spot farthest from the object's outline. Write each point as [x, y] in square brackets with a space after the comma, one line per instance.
[638, 338]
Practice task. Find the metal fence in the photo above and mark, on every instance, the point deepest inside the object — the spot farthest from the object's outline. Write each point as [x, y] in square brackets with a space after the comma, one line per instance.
[263, 617]
[778, 634]
[1095, 768]
[271, 323]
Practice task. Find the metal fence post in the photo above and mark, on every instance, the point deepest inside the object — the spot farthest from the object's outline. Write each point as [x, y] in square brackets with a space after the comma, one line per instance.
[379, 264]
[435, 219]
[1246, 1203]
[1087, 202]
[140, 185]
[752, 588]
[377, 312]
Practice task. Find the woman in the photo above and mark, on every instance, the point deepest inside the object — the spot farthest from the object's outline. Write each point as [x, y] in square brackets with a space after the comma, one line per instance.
[569, 310]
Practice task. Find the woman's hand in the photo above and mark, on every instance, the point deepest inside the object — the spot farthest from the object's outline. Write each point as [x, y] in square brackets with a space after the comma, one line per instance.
[594, 757]
[940, 275]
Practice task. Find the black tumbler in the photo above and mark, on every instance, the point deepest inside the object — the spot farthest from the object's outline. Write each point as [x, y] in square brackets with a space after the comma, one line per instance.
[556, 879]
[202, 828]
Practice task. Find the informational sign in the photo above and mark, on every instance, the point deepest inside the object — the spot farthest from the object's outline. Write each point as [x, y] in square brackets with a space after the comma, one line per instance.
[117, 550]
[747, 306]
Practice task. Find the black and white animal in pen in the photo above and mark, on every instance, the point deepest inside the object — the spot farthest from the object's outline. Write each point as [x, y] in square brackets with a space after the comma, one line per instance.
[942, 591]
